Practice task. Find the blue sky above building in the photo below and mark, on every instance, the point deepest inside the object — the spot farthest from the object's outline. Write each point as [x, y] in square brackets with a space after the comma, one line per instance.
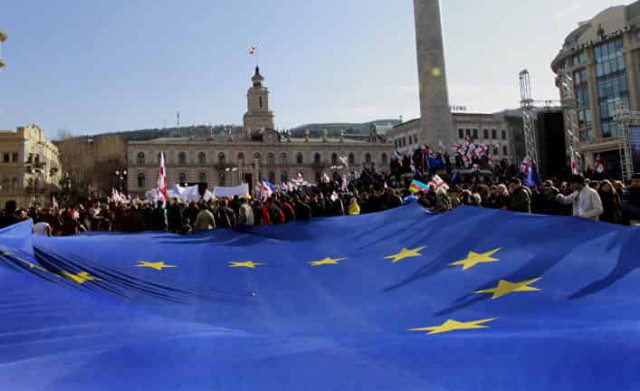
[101, 66]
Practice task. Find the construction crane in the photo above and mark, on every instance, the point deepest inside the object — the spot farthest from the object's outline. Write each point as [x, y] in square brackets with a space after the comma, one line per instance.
[567, 104]
[3, 37]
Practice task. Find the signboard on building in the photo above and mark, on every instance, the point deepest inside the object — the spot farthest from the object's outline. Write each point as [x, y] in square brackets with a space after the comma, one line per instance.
[634, 141]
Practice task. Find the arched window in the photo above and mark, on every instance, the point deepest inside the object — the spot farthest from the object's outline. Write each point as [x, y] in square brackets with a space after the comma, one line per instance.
[299, 158]
[160, 157]
[140, 159]
[352, 159]
[367, 158]
[222, 179]
[384, 159]
[202, 159]
[14, 184]
[182, 158]
[257, 156]
[284, 177]
[240, 158]
[272, 177]
[182, 178]
[283, 158]
[202, 177]
[260, 102]
[5, 185]
[141, 181]
[221, 158]
[334, 158]
[317, 158]
[271, 159]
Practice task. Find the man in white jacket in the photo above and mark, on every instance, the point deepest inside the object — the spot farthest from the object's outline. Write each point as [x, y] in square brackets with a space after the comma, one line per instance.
[586, 201]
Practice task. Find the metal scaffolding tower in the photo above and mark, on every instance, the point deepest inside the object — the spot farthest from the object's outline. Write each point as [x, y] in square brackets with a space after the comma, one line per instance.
[528, 116]
[571, 125]
[567, 104]
[626, 119]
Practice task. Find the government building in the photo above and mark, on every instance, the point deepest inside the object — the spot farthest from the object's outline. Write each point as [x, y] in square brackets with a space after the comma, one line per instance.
[29, 167]
[603, 57]
[497, 131]
[248, 154]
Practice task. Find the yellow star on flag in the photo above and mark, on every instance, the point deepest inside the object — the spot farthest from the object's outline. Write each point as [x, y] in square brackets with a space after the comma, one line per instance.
[81, 277]
[475, 258]
[32, 265]
[247, 264]
[505, 287]
[154, 265]
[453, 325]
[327, 261]
[406, 253]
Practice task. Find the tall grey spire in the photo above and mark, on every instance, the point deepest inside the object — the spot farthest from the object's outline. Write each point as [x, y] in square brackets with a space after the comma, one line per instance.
[436, 123]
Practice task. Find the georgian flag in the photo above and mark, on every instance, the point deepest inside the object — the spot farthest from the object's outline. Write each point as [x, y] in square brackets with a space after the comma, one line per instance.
[325, 178]
[599, 165]
[524, 166]
[162, 180]
[253, 49]
[438, 182]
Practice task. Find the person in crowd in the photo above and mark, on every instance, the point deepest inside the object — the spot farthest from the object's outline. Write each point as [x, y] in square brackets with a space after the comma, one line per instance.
[611, 203]
[204, 220]
[631, 201]
[42, 228]
[520, 200]
[158, 218]
[499, 199]
[10, 215]
[354, 208]
[245, 214]
[443, 202]
[585, 200]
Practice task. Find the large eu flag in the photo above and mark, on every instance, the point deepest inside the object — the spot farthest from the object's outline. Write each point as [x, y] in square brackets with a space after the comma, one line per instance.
[474, 299]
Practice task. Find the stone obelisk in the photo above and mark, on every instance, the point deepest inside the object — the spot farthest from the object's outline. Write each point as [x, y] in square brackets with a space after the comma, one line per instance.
[435, 113]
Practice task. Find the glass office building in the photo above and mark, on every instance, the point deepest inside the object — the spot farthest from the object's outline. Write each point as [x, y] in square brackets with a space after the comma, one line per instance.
[603, 57]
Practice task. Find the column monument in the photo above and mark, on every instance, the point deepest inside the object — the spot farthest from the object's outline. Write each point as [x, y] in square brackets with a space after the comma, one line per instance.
[435, 114]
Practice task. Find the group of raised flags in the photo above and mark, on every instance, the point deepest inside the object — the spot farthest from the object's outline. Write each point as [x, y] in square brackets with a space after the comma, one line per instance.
[435, 183]
[470, 151]
[117, 197]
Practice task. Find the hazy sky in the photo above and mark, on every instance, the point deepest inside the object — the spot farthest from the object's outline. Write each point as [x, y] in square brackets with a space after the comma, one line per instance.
[107, 65]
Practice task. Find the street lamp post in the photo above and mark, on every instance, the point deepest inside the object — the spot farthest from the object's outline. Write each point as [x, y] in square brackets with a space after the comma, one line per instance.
[121, 177]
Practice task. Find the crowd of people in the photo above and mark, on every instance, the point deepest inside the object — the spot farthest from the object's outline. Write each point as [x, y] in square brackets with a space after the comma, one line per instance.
[366, 192]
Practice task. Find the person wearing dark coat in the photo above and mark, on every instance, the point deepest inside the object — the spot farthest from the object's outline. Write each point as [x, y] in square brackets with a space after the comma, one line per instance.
[611, 203]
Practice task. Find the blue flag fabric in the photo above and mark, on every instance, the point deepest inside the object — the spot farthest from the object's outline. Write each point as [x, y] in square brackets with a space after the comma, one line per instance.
[533, 177]
[473, 299]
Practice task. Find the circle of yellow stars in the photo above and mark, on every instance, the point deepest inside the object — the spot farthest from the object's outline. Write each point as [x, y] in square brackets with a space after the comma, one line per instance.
[473, 259]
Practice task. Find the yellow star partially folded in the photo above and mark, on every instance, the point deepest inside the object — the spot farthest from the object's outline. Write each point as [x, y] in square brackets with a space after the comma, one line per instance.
[81, 277]
[247, 264]
[32, 265]
[327, 261]
[505, 287]
[475, 258]
[406, 253]
[154, 265]
[453, 325]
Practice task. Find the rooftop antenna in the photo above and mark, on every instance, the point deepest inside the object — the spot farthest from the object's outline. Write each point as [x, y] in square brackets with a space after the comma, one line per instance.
[178, 119]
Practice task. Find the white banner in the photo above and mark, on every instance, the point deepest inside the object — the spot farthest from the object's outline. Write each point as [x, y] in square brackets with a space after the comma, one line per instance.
[230, 192]
[189, 194]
